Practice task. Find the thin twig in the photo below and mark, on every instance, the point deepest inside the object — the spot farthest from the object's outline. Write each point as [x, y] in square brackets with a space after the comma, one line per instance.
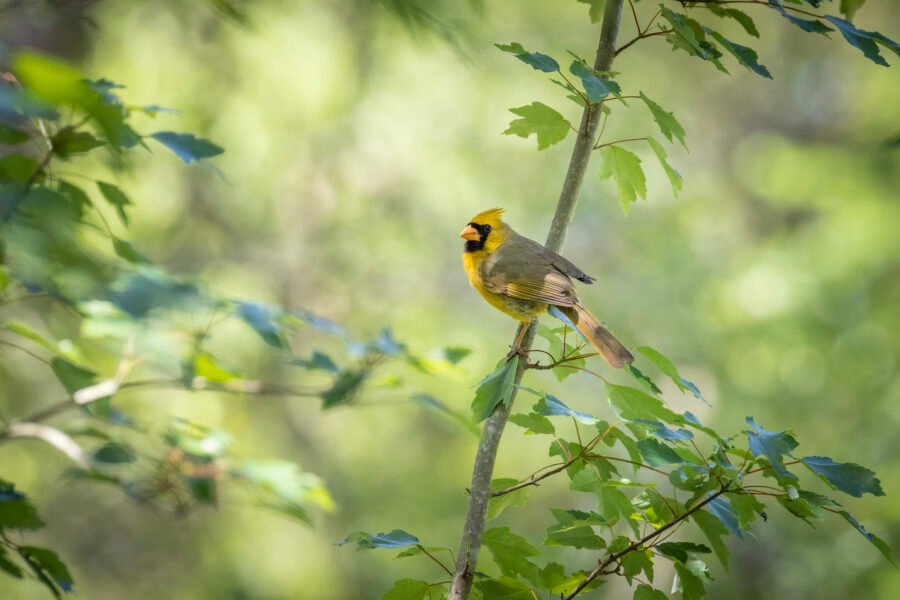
[435, 559]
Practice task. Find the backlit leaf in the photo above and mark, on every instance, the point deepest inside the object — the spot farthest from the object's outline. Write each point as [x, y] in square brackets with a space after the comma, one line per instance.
[673, 175]
[657, 454]
[497, 504]
[668, 124]
[625, 169]
[631, 404]
[548, 126]
[116, 198]
[407, 589]
[511, 552]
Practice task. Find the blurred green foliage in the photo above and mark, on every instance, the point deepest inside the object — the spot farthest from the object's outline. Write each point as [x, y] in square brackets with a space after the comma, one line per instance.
[355, 152]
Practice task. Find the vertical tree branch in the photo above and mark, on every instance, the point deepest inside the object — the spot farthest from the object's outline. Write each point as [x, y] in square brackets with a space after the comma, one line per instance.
[480, 490]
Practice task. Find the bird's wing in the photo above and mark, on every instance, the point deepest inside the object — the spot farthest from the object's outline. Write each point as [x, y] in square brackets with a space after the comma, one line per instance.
[523, 269]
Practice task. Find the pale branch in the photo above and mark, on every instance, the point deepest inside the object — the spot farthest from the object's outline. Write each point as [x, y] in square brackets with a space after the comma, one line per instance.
[480, 489]
[616, 556]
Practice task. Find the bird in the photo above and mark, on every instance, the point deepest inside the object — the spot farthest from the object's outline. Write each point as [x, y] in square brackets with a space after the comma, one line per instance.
[525, 280]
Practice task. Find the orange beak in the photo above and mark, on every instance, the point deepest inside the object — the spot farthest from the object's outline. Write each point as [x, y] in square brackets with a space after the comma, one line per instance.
[470, 233]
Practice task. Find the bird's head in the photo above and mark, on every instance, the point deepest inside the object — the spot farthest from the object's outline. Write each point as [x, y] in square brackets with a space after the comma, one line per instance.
[485, 231]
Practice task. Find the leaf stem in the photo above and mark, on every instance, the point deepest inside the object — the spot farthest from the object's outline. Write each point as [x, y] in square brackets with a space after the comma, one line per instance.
[637, 139]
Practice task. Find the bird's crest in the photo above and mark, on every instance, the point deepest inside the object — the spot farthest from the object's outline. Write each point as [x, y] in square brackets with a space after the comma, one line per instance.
[490, 217]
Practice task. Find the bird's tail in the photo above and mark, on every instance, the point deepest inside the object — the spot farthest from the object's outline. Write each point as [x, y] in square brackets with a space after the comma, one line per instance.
[599, 336]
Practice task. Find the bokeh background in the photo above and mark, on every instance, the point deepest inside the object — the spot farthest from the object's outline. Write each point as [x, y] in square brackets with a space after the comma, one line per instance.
[360, 137]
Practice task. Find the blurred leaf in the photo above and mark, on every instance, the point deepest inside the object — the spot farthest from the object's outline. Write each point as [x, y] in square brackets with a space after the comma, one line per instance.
[551, 406]
[497, 504]
[68, 141]
[11, 136]
[434, 405]
[646, 592]
[321, 323]
[673, 175]
[533, 423]
[285, 487]
[116, 198]
[630, 404]
[625, 169]
[187, 147]
[75, 195]
[773, 446]
[539, 119]
[494, 389]
[71, 376]
[48, 568]
[511, 552]
[849, 478]
[849, 7]
[596, 9]
[396, 538]
[114, 453]
[204, 490]
[127, 252]
[596, 88]
[407, 589]
[874, 539]
[318, 361]
[25, 330]
[505, 588]
[145, 289]
[197, 440]
[15, 168]
[746, 56]
[9, 567]
[263, 320]
[657, 454]
[49, 79]
[344, 388]
[16, 512]
[668, 124]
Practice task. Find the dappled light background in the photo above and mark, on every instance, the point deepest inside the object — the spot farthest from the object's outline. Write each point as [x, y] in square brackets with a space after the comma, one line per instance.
[357, 145]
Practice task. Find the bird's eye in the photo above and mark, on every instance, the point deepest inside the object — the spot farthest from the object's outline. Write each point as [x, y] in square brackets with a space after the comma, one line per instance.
[486, 229]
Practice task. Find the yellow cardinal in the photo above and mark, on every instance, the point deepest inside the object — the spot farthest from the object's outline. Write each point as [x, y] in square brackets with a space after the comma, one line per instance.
[526, 280]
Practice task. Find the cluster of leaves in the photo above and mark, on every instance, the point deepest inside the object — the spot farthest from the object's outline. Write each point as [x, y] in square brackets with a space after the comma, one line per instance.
[650, 474]
[133, 313]
[601, 90]
[18, 514]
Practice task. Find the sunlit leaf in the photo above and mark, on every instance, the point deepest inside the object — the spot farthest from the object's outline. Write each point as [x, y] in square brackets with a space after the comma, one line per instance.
[533, 423]
[548, 126]
[625, 169]
[657, 454]
[596, 9]
[631, 404]
[505, 588]
[407, 589]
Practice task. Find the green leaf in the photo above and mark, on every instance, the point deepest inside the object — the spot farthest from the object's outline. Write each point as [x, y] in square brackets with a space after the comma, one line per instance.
[866, 41]
[687, 580]
[546, 124]
[71, 376]
[876, 541]
[625, 169]
[511, 552]
[746, 56]
[808, 25]
[494, 389]
[849, 478]
[636, 562]
[688, 35]
[23, 329]
[114, 453]
[657, 454]
[617, 435]
[644, 379]
[631, 404]
[551, 406]
[197, 440]
[49, 79]
[505, 588]
[434, 405]
[773, 446]
[48, 568]
[668, 124]
[664, 364]
[68, 141]
[849, 7]
[533, 423]
[16, 511]
[681, 550]
[9, 567]
[187, 147]
[613, 504]
[713, 529]
[555, 581]
[263, 320]
[11, 136]
[538, 61]
[283, 485]
[596, 9]
[344, 388]
[208, 367]
[116, 198]
[596, 88]
[673, 175]
[126, 251]
[407, 589]
[574, 528]
[741, 17]
[646, 592]
[722, 509]
[497, 504]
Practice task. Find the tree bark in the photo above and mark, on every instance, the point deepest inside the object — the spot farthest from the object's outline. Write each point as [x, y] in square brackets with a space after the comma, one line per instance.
[480, 490]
